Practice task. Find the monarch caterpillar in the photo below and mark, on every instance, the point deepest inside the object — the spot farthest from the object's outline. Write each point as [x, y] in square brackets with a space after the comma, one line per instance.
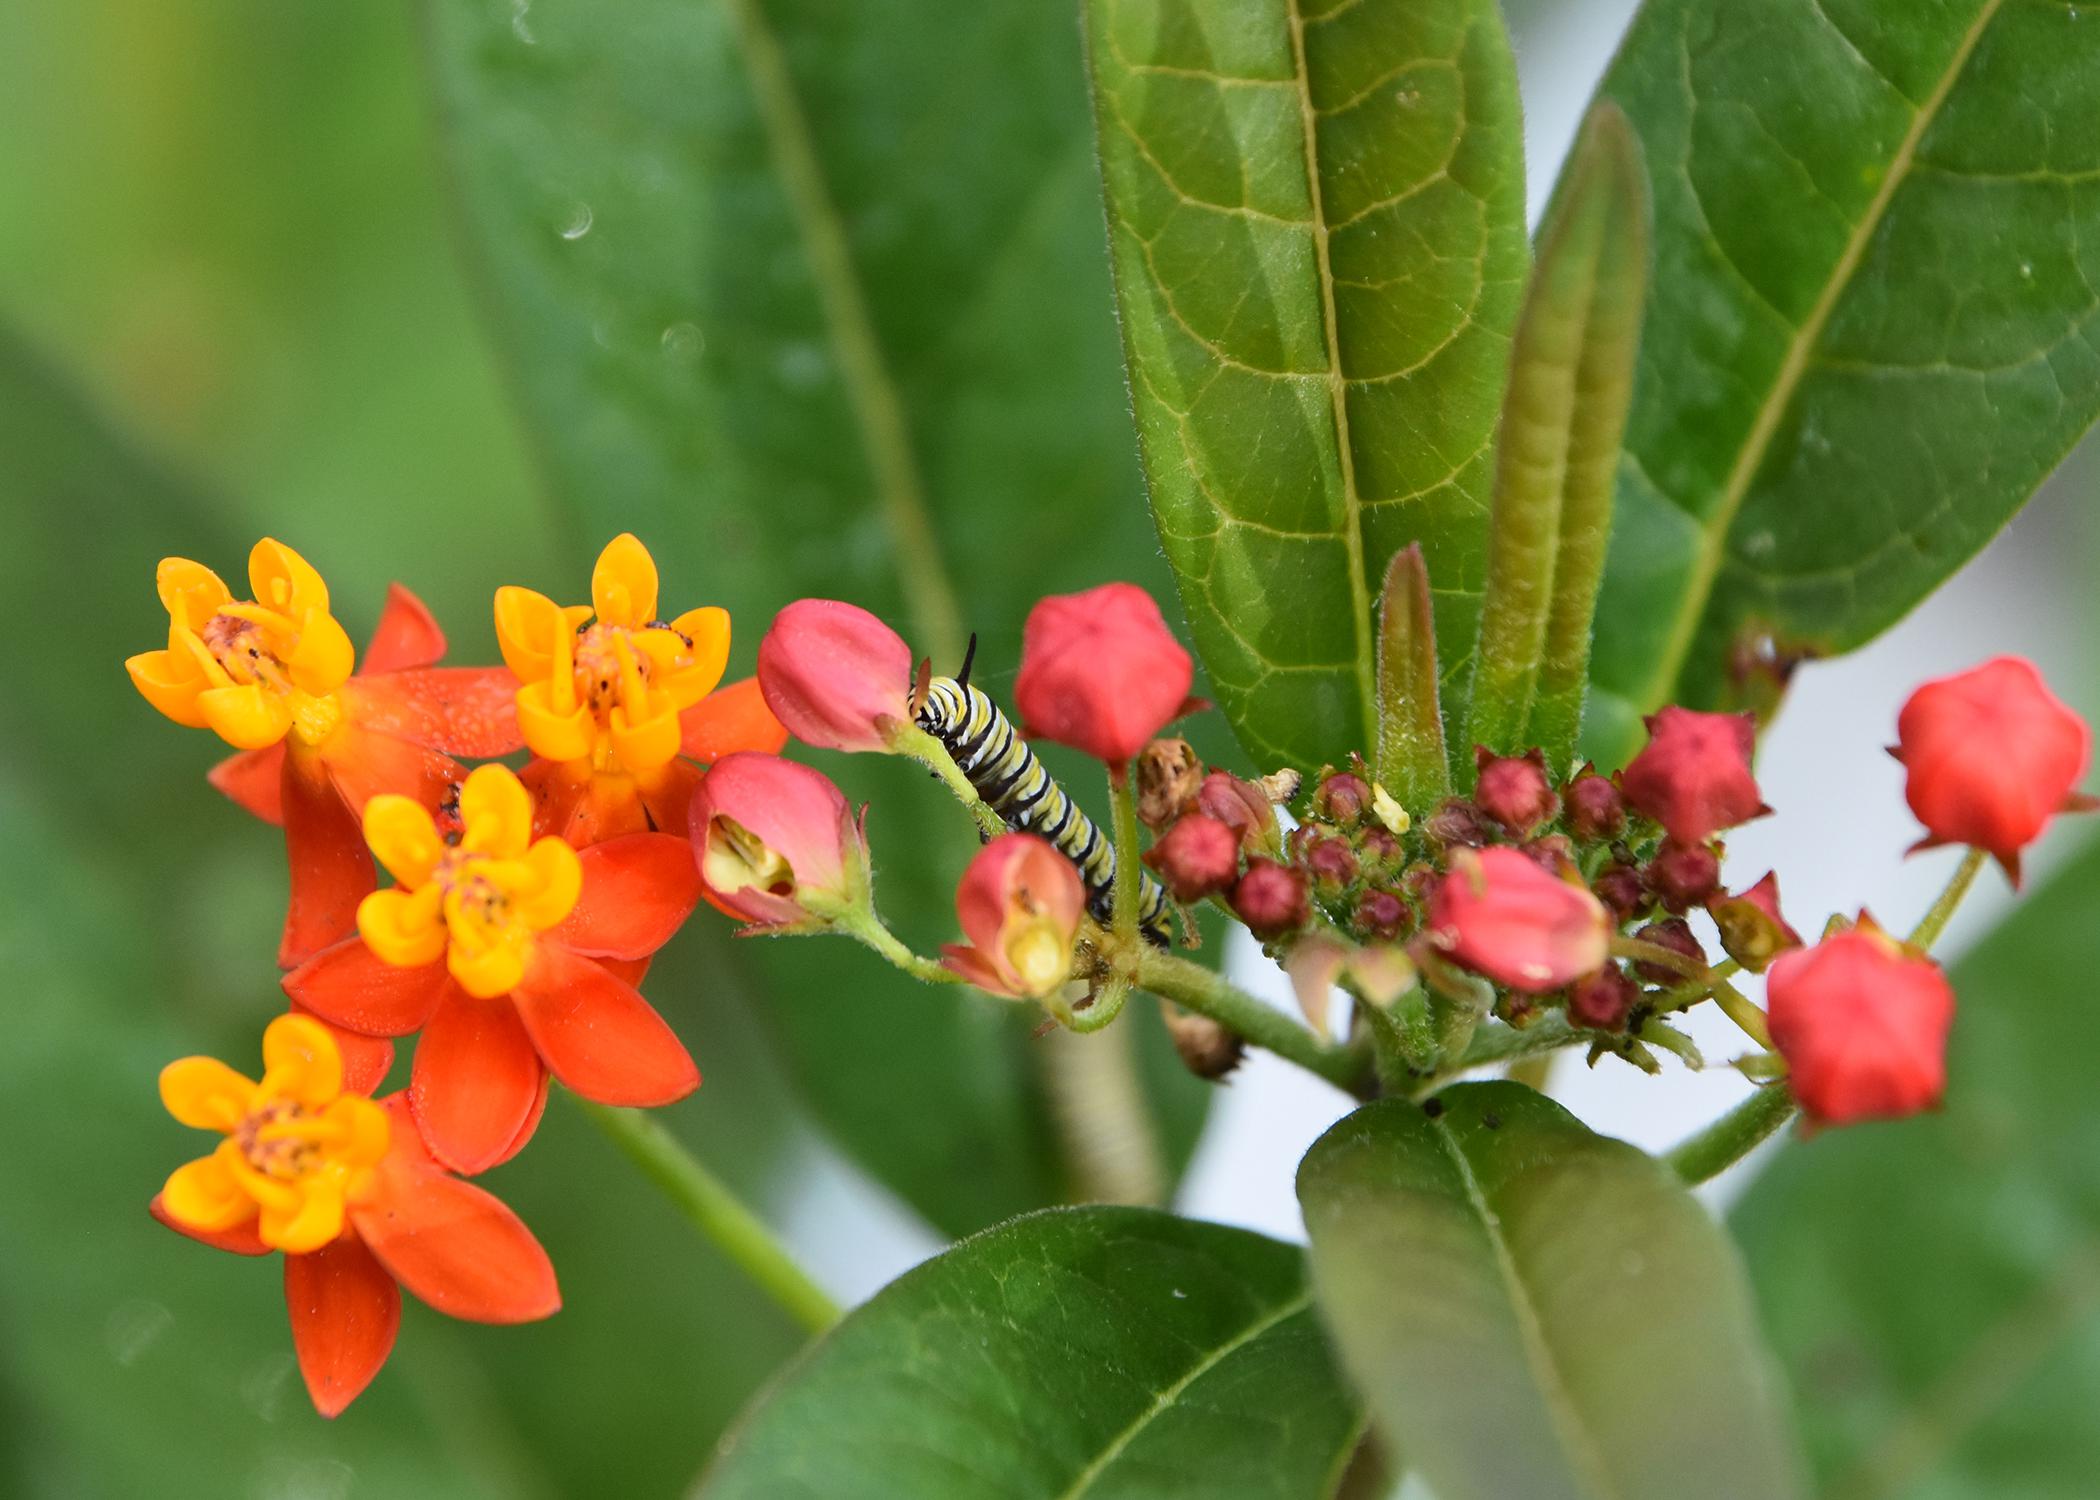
[1015, 785]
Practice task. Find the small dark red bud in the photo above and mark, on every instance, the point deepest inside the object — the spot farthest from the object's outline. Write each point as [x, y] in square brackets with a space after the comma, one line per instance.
[1457, 822]
[1331, 862]
[1271, 898]
[1198, 857]
[1342, 797]
[1420, 883]
[1596, 811]
[1168, 773]
[1553, 854]
[1619, 888]
[1379, 914]
[1513, 790]
[1239, 805]
[1675, 934]
[1602, 1001]
[1380, 846]
[1683, 875]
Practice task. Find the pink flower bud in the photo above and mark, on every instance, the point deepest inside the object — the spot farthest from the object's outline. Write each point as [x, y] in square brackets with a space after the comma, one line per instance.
[1513, 790]
[1992, 755]
[836, 676]
[1100, 671]
[1020, 905]
[775, 839]
[1683, 875]
[1380, 914]
[1341, 797]
[1168, 773]
[1675, 934]
[1603, 1001]
[1596, 811]
[1694, 776]
[1198, 857]
[1240, 806]
[1271, 899]
[1498, 914]
[1752, 930]
[1862, 1023]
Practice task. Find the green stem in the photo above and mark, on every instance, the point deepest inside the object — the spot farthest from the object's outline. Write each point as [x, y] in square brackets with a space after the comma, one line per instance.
[1729, 1139]
[865, 927]
[1498, 1043]
[1934, 922]
[1740, 1009]
[1195, 988]
[1122, 802]
[929, 752]
[710, 1207]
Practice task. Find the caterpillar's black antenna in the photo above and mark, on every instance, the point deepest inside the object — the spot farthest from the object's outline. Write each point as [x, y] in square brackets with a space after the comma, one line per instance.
[962, 678]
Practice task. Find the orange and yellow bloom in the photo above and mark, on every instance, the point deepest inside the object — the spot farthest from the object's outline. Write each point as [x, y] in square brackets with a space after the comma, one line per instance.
[340, 1184]
[611, 698]
[272, 676]
[513, 957]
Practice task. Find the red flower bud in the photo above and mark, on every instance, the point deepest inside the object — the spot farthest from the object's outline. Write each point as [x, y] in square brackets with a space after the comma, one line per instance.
[1675, 934]
[836, 676]
[1168, 773]
[1604, 1000]
[1619, 888]
[1992, 754]
[1862, 1023]
[1752, 930]
[1694, 776]
[1100, 671]
[1240, 806]
[1596, 811]
[1683, 875]
[771, 835]
[1499, 914]
[1198, 857]
[1513, 790]
[1020, 904]
[1331, 862]
[1271, 899]
[1380, 914]
[1341, 797]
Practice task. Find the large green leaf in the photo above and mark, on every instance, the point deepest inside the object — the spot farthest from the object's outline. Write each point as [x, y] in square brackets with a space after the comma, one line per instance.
[1933, 1286]
[1873, 327]
[1535, 1310]
[1316, 215]
[138, 917]
[810, 297]
[1086, 1352]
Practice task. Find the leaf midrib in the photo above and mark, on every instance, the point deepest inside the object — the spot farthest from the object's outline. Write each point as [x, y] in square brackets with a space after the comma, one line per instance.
[1165, 1399]
[1337, 389]
[1706, 565]
[1575, 1441]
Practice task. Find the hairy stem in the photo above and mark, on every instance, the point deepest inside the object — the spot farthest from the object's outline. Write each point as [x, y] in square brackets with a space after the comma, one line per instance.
[1934, 922]
[1122, 802]
[867, 928]
[717, 1213]
[1195, 988]
[1729, 1139]
[933, 755]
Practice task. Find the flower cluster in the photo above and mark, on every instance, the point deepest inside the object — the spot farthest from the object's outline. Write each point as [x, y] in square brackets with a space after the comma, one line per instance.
[523, 912]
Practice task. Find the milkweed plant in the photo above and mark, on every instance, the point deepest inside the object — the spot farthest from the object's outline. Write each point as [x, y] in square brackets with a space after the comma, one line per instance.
[1493, 563]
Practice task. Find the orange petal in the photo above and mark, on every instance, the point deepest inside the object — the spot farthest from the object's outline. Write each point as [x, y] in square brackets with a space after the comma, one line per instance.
[477, 1080]
[345, 1311]
[367, 763]
[452, 1244]
[637, 891]
[242, 1239]
[408, 635]
[366, 1059]
[331, 870]
[348, 985]
[581, 806]
[599, 1035]
[253, 778]
[667, 794]
[730, 719]
[466, 711]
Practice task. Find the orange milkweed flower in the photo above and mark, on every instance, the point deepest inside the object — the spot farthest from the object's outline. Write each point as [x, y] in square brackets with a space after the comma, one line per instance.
[612, 699]
[341, 1185]
[514, 957]
[272, 676]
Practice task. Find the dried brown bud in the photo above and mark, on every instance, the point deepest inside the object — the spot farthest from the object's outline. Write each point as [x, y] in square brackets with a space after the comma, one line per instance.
[1208, 1049]
[1168, 773]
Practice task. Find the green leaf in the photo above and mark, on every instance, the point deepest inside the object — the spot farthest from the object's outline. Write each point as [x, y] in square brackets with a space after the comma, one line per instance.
[1873, 328]
[1535, 1310]
[811, 298]
[1557, 454]
[1316, 217]
[1086, 1352]
[1933, 1286]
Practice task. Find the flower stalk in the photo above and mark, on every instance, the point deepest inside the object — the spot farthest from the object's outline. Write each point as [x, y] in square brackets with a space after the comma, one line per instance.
[1196, 988]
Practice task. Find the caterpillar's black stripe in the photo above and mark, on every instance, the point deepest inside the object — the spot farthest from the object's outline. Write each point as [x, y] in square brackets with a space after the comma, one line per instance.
[1015, 785]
